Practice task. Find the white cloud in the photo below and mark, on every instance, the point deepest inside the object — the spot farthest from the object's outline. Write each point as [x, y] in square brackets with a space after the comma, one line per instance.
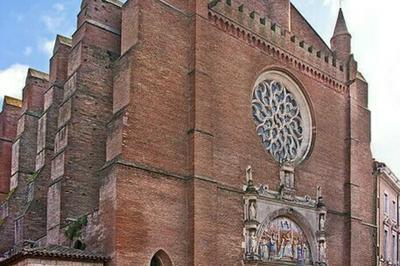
[46, 46]
[56, 19]
[12, 80]
[53, 23]
[28, 51]
[58, 7]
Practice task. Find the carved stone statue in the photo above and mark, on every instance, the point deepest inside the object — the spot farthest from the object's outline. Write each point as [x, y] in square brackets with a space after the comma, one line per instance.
[252, 211]
[253, 243]
[322, 252]
[287, 175]
[320, 199]
[249, 174]
[319, 193]
[322, 222]
[287, 179]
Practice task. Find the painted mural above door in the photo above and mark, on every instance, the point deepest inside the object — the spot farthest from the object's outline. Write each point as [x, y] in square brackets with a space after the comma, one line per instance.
[284, 240]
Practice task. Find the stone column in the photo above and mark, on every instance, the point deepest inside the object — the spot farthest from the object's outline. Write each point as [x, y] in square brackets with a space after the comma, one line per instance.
[321, 239]
[250, 218]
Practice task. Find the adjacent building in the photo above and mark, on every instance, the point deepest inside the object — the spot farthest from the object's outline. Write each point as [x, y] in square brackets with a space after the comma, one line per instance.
[388, 193]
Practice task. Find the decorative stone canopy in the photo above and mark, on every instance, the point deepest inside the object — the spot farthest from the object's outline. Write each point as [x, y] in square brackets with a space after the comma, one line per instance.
[282, 230]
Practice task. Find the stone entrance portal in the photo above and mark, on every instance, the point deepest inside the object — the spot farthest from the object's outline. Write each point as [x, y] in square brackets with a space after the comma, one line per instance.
[282, 230]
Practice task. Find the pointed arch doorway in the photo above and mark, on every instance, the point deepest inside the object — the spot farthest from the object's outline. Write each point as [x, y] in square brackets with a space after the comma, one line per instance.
[160, 259]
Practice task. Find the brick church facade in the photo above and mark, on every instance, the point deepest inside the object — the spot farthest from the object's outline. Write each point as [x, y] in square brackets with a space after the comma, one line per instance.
[190, 132]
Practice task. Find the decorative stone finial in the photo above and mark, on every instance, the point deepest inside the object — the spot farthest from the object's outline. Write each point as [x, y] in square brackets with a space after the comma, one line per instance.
[320, 199]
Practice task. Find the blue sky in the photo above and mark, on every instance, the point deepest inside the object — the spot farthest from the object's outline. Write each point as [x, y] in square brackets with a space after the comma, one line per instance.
[28, 29]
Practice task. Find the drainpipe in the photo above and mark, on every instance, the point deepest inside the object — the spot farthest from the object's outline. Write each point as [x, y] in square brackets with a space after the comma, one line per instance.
[397, 233]
[378, 218]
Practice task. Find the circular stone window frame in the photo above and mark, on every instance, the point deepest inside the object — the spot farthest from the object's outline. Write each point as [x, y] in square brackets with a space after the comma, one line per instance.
[296, 89]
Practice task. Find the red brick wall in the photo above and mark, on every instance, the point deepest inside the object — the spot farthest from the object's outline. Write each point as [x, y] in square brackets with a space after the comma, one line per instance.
[35, 216]
[279, 12]
[147, 214]
[23, 157]
[189, 113]
[8, 129]
[33, 94]
[154, 144]
[362, 184]
[236, 144]
[158, 92]
[84, 113]
[153, 129]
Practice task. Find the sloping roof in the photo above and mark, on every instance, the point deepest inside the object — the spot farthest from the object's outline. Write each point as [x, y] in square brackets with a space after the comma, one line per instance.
[37, 74]
[382, 169]
[12, 101]
[361, 76]
[55, 252]
[116, 2]
[64, 40]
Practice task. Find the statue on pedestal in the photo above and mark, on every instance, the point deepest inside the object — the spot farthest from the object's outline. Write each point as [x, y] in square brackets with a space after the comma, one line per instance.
[252, 211]
[322, 222]
[253, 243]
[322, 252]
[249, 174]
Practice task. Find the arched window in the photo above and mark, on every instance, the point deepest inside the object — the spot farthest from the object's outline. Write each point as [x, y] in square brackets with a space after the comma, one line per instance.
[156, 261]
[161, 259]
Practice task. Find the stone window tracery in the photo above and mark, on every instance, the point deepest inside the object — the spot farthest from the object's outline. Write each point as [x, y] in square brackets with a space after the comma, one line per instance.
[282, 117]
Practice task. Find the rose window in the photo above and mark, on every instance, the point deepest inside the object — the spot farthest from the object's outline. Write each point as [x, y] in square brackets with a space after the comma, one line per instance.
[280, 121]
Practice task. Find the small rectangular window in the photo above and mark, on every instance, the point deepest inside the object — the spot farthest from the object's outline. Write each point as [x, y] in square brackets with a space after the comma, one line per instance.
[386, 203]
[385, 245]
[394, 257]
